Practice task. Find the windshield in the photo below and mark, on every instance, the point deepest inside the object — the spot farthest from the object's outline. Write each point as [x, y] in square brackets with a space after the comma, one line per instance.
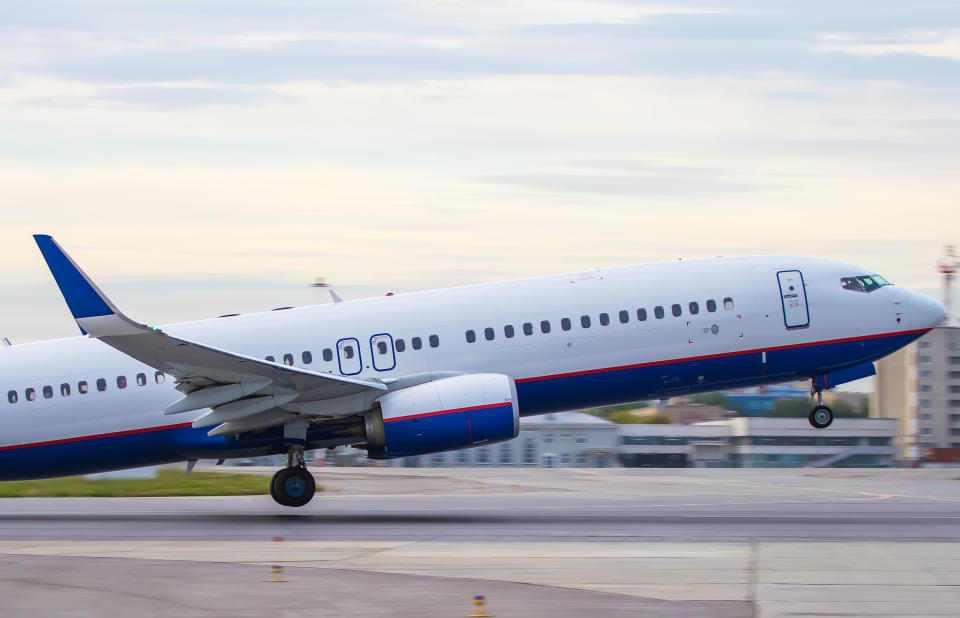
[863, 283]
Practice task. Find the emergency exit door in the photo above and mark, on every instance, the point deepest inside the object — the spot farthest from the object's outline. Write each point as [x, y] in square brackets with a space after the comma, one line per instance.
[793, 295]
[348, 356]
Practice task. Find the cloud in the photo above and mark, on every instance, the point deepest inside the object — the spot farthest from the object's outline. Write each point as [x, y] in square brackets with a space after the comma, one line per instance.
[653, 181]
[177, 42]
[182, 96]
[407, 144]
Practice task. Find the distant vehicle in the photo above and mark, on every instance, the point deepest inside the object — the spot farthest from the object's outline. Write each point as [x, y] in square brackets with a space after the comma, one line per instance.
[433, 371]
[246, 461]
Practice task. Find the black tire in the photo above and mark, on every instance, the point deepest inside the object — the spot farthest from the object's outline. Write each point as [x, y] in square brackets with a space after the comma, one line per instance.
[273, 491]
[821, 417]
[293, 487]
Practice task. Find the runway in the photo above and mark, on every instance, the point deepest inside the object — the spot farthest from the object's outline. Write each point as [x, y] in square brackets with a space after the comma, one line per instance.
[607, 542]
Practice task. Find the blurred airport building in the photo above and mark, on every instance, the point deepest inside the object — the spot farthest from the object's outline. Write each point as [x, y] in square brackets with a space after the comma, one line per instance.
[919, 386]
[576, 439]
[562, 439]
[757, 442]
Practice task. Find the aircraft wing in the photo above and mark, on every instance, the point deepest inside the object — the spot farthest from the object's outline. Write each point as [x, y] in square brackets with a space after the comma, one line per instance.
[243, 391]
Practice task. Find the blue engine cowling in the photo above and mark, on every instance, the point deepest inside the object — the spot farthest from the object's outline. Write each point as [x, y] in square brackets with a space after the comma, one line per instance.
[443, 415]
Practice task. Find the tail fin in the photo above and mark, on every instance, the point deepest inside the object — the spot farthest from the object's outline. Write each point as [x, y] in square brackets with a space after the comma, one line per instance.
[91, 308]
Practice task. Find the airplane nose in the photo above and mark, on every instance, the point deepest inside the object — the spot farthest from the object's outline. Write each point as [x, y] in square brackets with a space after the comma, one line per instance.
[926, 312]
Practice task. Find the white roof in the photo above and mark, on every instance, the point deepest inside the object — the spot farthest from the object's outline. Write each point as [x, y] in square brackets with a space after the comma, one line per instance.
[565, 418]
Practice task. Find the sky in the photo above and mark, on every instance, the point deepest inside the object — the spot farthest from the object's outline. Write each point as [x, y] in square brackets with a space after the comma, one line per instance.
[201, 158]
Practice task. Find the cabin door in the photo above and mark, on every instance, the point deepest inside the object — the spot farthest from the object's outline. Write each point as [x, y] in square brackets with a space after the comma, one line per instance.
[793, 296]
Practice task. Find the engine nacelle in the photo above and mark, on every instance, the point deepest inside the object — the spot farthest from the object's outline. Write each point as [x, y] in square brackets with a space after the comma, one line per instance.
[443, 415]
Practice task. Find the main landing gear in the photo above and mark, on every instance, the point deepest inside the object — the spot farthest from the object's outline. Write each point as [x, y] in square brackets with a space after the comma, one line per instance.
[293, 485]
[820, 416]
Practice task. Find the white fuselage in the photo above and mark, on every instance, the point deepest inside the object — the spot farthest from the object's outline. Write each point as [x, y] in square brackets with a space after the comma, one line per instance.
[745, 340]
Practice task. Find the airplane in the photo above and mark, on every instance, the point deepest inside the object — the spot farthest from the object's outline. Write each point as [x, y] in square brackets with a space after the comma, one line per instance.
[425, 372]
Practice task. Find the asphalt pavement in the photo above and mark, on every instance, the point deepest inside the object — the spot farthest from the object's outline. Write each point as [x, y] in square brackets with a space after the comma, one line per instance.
[536, 542]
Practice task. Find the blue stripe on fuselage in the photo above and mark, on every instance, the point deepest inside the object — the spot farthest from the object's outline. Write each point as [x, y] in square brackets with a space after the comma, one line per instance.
[698, 375]
[535, 396]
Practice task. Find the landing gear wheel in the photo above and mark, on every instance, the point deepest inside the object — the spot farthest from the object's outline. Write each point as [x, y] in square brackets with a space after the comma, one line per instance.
[293, 486]
[821, 417]
[273, 492]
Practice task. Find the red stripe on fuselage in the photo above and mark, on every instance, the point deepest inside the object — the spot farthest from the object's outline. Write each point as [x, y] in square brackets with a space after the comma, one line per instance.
[720, 355]
[438, 412]
[494, 405]
[114, 434]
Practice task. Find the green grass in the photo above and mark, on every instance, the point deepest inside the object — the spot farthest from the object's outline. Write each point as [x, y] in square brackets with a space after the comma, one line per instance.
[168, 483]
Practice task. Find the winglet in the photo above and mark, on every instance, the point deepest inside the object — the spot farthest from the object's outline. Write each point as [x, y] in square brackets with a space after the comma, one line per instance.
[92, 310]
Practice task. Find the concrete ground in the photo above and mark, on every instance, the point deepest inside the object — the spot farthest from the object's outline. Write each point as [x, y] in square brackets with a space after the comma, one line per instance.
[566, 542]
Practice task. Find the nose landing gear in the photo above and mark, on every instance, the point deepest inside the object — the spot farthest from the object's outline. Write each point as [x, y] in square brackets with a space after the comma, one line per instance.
[293, 485]
[820, 416]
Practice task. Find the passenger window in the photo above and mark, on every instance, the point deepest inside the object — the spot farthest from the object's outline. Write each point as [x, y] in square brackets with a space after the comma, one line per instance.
[658, 312]
[728, 304]
[416, 343]
[12, 396]
[327, 354]
[565, 324]
[585, 321]
[30, 394]
[348, 351]
[306, 357]
[434, 341]
[545, 326]
[471, 336]
[47, 392]
[641, 315]
[508, 331]
[381, 347]
[101, 384]
[271, 359]
[159, 377]
[694, 308]
[121, 381]
[141, 379]
[676, 310]
[527, 328]
[82, 387]
[400, 345]
[711, 305]
[624, 317]
[64, 390]
[604, 319]
[488, 334]
[288, 359]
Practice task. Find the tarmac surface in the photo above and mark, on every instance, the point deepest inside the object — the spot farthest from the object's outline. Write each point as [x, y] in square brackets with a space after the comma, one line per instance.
[535, 542]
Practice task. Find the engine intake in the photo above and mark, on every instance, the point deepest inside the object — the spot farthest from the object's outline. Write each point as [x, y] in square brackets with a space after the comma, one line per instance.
[443, 415]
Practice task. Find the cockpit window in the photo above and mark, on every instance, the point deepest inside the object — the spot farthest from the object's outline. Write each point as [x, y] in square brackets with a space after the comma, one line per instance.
[863, 283]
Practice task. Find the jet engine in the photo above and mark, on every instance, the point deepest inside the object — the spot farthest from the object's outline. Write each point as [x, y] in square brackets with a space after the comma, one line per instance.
[443, 415]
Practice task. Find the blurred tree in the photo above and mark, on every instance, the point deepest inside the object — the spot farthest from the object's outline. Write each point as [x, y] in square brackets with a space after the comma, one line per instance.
[800, 408]
[606, 411]
[717, 399]
[627, 417]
